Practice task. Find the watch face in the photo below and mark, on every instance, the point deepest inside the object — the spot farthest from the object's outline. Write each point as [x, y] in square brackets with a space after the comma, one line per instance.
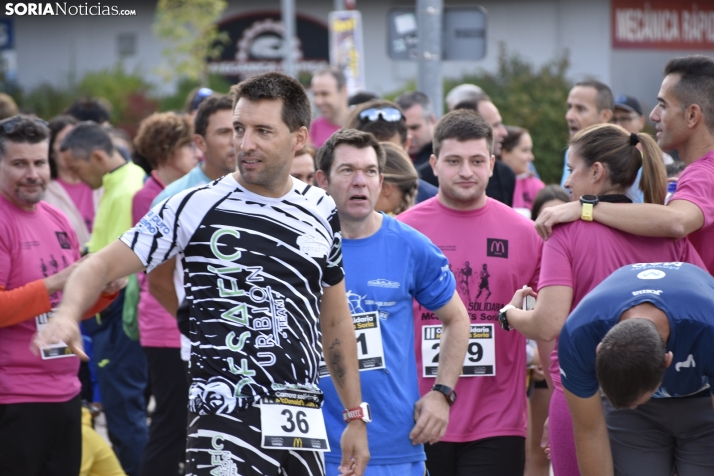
[589, 199]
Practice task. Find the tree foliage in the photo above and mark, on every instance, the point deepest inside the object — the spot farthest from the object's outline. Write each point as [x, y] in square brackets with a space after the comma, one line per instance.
[533, 98]
[189, 27]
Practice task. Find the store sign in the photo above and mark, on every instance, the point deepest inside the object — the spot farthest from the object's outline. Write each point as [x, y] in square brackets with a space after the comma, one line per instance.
[346, 49]
[663, 24]
[256, 45]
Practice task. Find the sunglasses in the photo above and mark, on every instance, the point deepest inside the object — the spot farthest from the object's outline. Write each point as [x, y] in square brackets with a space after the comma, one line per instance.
[387, 114]
[202, 94]
[8, 125]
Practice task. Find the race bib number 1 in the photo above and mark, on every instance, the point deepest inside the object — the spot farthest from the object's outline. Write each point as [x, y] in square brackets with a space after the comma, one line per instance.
[52, 351]
[480, 358]
[370, 351]
[292, 427]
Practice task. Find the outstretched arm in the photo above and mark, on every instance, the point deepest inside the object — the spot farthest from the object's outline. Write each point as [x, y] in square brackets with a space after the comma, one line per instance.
[339, 347]
[83, 287]
[676, 220]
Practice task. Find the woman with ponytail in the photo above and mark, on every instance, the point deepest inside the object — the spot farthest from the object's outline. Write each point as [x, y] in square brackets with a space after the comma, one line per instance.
[604, 160]
[401, 181]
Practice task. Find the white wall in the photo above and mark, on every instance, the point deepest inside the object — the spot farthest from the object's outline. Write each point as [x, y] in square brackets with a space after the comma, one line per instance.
[52, 48]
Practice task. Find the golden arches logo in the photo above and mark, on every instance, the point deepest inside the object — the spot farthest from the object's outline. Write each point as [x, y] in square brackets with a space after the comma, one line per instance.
[297, 442]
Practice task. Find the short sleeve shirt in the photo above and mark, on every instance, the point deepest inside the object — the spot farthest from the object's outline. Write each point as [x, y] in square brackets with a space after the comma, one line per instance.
[254, 269]
[695, 186]
[683, 291]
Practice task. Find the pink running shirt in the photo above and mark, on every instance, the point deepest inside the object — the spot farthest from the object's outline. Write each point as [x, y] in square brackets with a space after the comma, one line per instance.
[320, 130]
[696, 185]
[493, 251]
[581, 254]
[34, 245]
[157, 328]
[525, 192]
[82, 196]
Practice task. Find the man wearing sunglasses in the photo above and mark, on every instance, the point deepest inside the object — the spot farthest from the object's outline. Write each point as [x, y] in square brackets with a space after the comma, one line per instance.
[329, 91]
[40, 405]
[385, 121]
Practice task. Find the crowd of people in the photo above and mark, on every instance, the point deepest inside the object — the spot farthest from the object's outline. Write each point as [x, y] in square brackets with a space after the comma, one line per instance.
[372, 291]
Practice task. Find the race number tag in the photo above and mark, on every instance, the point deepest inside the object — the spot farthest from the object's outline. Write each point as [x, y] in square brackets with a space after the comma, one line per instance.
[370, 352]
[52, 351]
[295, 426]
[480, 358]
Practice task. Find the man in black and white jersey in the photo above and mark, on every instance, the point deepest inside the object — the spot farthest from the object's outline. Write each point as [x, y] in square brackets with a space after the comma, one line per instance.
[263, 266]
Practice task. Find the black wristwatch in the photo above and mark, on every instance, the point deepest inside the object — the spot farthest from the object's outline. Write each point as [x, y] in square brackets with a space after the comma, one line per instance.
[502, 319]
[448, 392]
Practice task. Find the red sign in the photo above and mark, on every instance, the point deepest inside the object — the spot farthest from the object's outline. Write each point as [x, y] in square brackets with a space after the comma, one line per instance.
[663, 24]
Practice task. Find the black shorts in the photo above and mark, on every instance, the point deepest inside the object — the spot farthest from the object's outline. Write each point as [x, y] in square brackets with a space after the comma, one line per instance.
[41, 438]
[502, 456]
[232, 443]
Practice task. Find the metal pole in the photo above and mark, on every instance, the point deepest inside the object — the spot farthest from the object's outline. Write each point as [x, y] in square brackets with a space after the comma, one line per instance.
[288, 14]
[429, 24]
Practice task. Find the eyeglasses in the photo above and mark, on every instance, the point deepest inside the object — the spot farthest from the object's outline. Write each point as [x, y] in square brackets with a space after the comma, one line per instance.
[8, 125]
[387, 114]
[202, 94]
[624, 119]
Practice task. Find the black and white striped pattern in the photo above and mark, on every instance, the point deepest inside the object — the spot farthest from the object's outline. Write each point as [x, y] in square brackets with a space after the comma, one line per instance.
[254, 269]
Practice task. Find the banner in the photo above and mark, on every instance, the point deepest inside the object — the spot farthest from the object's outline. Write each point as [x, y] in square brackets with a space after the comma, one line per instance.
[663, 24]
[346, 49]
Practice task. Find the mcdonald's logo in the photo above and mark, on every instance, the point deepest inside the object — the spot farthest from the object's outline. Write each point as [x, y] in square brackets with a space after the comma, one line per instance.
[297, 442]
[497, 248]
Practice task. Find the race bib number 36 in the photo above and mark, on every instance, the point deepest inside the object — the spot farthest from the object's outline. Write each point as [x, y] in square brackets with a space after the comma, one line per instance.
[292, 427]
[480, 358]
[370, 352]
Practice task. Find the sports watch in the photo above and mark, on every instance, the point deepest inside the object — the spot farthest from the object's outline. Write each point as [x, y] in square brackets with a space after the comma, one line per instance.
[588, 202]
[502, 319]
[448, 392]
[362, 412]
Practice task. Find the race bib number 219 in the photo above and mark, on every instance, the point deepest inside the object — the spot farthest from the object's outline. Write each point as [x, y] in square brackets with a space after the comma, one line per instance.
[480, 358]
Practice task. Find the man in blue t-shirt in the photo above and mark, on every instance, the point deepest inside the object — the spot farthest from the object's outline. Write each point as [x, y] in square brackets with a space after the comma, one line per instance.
[387, 265]
[644, 337]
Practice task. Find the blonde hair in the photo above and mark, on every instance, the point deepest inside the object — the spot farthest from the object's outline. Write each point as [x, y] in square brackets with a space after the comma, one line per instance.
[399, 170]
[616, 149]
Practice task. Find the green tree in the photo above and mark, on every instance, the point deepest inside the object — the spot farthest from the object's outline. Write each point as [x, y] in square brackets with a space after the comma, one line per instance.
[533, 98]
[189, 26]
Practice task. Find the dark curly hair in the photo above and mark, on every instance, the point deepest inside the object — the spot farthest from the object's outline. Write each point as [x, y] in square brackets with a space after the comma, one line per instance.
[161, 134]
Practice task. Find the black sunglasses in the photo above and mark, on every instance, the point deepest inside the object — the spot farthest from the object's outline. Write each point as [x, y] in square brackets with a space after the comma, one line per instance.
[387, 114]
[8, 125]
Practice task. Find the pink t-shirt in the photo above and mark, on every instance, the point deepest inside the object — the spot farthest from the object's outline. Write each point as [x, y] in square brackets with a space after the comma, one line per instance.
[157, 328]
[696, 185]
[581, 254]
[34, 245]
[525, 192]
[83, 197]
[493, 251]
[320, 130]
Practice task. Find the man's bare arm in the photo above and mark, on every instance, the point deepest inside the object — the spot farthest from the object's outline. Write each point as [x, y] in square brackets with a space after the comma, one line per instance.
[339, 346]
[432, 410]
[83, 287]
[676, 220]
[161, 286]
[592, 443]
